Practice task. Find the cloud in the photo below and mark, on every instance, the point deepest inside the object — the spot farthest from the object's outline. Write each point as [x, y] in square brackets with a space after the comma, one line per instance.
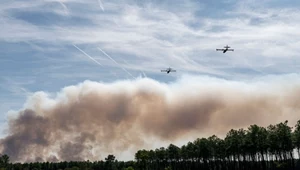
[92, 119]
[156, 34]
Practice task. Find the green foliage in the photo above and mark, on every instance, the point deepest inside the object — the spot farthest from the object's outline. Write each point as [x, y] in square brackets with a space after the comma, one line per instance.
[73, 168]
[110, 158]
[281, 165]
[168, 168]
[129, 168]
[296, 136]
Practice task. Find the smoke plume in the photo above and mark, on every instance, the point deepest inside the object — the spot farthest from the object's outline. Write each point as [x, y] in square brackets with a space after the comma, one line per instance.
[92, 119]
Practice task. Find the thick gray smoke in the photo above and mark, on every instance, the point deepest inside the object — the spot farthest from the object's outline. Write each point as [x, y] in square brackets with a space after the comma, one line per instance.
[92, 119]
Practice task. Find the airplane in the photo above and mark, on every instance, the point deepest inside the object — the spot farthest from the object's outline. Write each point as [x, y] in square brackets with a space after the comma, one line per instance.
[168, 70]
[226, 48]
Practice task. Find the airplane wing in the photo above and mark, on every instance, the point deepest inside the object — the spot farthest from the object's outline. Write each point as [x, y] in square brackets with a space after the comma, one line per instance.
[173, 71]
[220, 49]
[230, 50]
[163, 70]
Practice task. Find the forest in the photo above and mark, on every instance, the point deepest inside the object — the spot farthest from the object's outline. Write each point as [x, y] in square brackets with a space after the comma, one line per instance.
[276, 147]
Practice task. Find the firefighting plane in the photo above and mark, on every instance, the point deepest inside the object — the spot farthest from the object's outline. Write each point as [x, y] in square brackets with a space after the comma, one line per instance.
[168, 70]
[225, 49]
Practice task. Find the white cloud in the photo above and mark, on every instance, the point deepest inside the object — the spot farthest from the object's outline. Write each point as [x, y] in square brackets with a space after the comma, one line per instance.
[158, 36]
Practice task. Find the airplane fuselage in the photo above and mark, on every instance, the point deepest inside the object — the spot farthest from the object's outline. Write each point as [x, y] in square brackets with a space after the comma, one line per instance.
[225, 49]
[168, 70]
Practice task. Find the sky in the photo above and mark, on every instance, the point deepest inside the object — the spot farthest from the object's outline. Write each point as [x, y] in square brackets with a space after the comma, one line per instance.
[38, 54]
[46, 45]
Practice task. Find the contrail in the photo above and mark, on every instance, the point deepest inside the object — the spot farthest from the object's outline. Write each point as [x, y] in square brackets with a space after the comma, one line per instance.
[115, 62]
[125, 62]
[36, 47]
[66, 10]
[17, 88]
[87, 55]
[139, 69]
[101, 5]
[144, 74]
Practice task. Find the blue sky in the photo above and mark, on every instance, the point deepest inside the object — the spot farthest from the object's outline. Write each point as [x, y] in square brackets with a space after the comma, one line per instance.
[37, 39]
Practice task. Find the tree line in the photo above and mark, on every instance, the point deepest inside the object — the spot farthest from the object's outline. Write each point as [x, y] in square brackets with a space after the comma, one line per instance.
[255, 148]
